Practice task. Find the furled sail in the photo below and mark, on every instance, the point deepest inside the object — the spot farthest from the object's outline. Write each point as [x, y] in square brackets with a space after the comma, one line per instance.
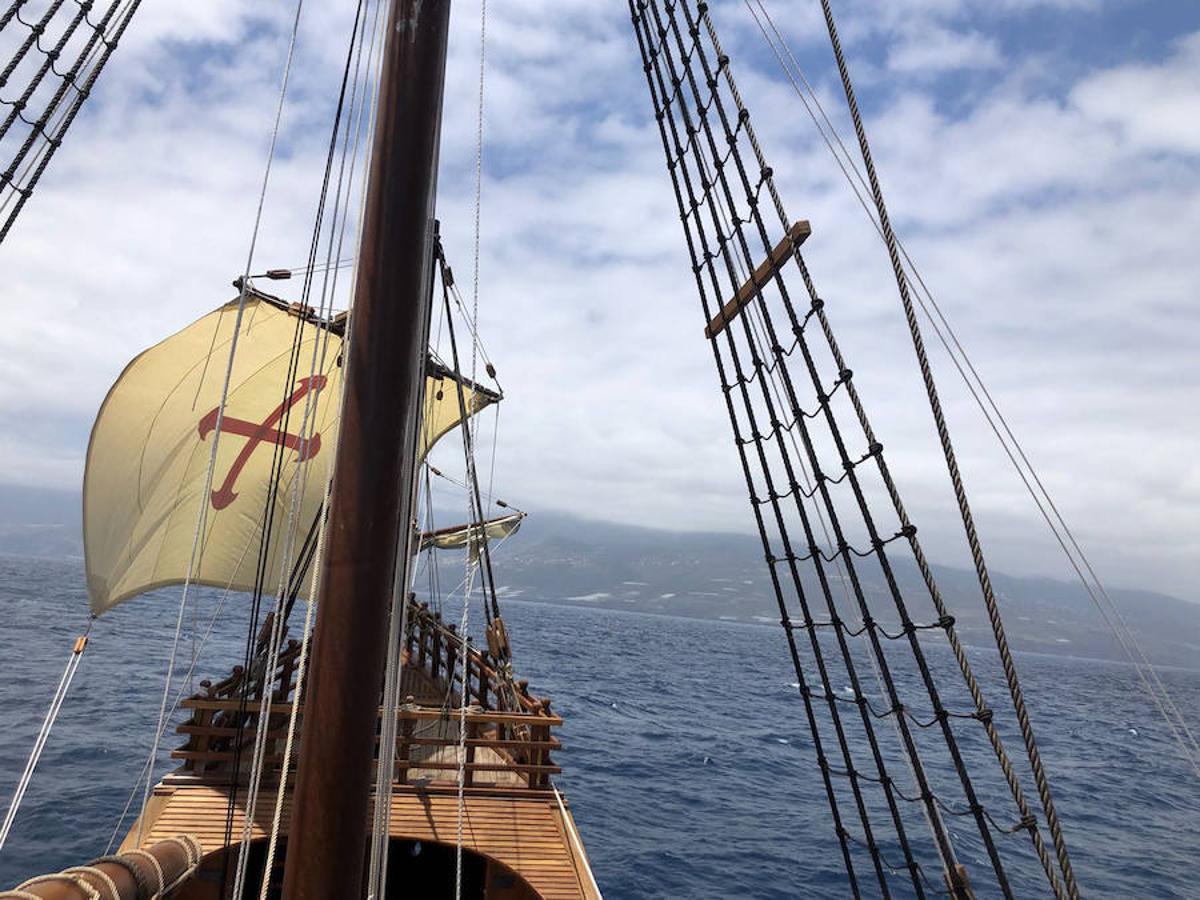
[152, 441]
[459, 536]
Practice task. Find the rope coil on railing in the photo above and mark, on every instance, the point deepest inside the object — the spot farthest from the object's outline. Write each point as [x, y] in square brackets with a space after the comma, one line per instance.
[146, 873]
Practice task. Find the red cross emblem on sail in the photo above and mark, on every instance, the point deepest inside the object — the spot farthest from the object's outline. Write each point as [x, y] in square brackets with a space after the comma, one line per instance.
[262, 432]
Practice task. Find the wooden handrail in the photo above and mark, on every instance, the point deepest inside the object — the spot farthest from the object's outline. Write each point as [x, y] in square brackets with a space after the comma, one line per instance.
[533, 717]
[504, 721]
[532, 768]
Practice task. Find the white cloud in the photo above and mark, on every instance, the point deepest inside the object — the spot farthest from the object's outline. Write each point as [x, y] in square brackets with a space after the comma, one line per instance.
[932, 50]
[1056, 227]
[1152, 107]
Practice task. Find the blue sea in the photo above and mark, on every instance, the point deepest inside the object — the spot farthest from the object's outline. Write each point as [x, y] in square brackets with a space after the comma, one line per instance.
[686, 757]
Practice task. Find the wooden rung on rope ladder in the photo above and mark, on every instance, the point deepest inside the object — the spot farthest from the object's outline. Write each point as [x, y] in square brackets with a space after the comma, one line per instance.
[796, 236]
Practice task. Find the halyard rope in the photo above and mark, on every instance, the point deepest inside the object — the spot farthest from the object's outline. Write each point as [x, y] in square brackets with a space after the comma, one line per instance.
[56, 703]
[338, 220]
[329, 288]
[989, 597]
[1151, 681]
[301, 668]
[202, 512]
[471, 427]
[983, 712]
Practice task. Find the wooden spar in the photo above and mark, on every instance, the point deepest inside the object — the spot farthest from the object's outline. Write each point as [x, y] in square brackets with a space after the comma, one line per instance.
[796, 236]
[371, 506]
[160, 867]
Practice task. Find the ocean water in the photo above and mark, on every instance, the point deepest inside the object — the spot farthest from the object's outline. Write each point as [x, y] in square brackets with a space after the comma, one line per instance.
[687, 760]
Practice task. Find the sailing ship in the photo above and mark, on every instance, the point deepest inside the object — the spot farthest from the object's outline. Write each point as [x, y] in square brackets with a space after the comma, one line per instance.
[277, 448]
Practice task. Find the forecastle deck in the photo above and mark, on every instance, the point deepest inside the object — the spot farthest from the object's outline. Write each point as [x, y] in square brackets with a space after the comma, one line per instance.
[516, 827]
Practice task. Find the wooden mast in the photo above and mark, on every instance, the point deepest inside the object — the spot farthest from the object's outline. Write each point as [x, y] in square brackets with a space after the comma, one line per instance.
[371, 506]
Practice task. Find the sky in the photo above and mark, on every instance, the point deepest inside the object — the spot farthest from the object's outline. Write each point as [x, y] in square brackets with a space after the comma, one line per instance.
[1040, 158]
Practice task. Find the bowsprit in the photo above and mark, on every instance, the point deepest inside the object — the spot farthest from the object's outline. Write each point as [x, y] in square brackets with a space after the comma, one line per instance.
[260, 432]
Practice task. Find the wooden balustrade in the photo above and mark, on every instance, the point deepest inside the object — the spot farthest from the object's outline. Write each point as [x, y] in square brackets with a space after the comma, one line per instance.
[508, 739]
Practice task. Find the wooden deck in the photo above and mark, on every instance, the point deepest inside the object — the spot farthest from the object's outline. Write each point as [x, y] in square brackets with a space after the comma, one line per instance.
[513, 818]
[524, 830]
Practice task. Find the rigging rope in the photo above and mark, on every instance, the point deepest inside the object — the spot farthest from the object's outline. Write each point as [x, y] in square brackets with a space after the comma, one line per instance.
[301, 671]
[702, 187]
[877, 660]
[1010, 671]
[947, 336]
[317, 363]
[179, 696]
[983, 713]
[469, 432]
[39, 744]
[479, 548]
[46, 132]
[470, 429]
[202, 511]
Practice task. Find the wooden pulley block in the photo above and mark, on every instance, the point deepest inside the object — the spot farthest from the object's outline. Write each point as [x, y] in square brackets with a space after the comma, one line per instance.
[497, 639]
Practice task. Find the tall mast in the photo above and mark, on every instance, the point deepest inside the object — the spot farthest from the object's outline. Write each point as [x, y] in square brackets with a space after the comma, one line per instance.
[371, 507]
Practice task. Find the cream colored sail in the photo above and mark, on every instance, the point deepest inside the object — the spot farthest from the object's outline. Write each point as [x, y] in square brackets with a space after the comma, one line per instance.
[152, 442]
[461, 535]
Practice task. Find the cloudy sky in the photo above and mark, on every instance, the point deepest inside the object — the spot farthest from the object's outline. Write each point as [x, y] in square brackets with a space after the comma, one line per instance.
[1041, 160]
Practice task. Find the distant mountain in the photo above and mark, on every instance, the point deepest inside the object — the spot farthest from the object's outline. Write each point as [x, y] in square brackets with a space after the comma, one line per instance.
[563, 559]
[40, 522]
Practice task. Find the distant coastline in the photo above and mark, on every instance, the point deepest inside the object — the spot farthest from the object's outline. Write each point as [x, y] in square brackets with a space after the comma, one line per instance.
[569, 561]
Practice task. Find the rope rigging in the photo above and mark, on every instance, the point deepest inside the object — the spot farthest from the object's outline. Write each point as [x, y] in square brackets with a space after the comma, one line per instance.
[58, 61]
[39, 744]
[806, 481]
[261, 659]
[202, 507]
[997, 422]
[1010, 671]
[983, 712]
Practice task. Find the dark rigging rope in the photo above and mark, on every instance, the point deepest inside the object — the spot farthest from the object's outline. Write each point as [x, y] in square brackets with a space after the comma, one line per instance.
[46, 131]
[699, 160]
[257, 649]
[989, 597]
[491, 603]
[983, 713]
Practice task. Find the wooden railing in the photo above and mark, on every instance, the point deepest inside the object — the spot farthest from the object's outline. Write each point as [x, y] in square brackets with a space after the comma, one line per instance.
[507, 731]
[434, 646]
